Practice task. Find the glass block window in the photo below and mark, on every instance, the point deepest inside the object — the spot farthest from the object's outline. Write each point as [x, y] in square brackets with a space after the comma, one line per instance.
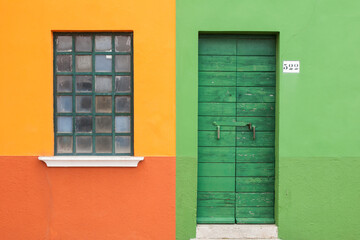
[93, 93]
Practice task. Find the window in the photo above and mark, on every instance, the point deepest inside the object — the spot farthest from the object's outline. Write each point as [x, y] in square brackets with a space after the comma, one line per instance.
[93, 93]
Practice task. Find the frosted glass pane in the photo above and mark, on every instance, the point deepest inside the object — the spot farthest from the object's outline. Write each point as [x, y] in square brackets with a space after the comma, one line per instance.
[83, 124]
[83, 44]
[64, 63]
[64, 83]
[64, 124]
[122, 63]
[64, 144]
[123, 84]
[122, 144]
[103, 124]
[64, 43]
[64, 104]
[83, 144]
[83, 83]
[103, 104]
[103, 84]
[103, 63]
[122, 43]
[122, 124]
[103, 43]
[103, 144]
[83, 104]
[122, 104]
[83, 63]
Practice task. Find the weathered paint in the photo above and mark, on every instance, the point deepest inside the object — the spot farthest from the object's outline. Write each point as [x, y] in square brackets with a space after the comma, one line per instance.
[38, 202]
[26, 86]
[317, 156]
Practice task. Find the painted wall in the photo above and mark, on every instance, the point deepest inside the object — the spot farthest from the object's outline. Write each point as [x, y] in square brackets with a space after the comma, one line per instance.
[26, 86]
[318, 119]
[85, 203]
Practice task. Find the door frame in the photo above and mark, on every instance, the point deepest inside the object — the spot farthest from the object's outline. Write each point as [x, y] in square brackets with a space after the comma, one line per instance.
[187, 129]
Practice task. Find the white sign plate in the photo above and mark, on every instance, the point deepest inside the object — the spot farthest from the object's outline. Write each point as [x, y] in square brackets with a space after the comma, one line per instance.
[291, 66]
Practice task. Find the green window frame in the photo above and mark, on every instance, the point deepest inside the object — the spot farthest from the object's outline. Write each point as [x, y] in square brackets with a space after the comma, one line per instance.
[93, 93]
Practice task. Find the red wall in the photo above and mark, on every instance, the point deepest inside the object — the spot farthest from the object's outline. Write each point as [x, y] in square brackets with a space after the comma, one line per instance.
[37, 202]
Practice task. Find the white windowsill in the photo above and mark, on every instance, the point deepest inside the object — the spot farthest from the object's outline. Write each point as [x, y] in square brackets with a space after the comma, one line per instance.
[91, 161]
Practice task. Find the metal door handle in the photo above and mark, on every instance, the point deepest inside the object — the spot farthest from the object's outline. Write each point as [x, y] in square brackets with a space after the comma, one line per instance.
[234, 124]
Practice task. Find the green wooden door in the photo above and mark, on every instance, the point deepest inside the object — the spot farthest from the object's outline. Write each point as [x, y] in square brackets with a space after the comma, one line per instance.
[236, 87]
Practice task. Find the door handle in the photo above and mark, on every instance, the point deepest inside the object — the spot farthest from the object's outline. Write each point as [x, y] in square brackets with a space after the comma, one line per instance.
[234, 124]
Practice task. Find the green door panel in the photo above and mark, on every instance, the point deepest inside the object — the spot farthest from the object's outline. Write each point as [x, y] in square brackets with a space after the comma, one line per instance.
[255, 79]
[255, 169]
[217, 184]
[262, 139]
[206, 123]
[211, 154]
[217, 63]
[255, 63]
[220, 79]
[245, 154]
[209, 139]
[255, 109]
[216, 170]
[255, 94]
[255, 199]
[216, 199]
[236, 87]
[261, 123]
[216, 215]
[255, 184]
[256, 46]
[217, 46]
[255, 214]
[217, 109]
[217, 94]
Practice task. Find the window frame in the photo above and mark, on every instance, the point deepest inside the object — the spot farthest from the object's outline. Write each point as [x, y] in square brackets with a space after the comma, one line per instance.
[92, 93]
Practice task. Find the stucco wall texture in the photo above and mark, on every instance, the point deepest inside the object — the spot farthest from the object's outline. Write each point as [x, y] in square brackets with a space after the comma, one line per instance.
[37, 202]
[317, 126]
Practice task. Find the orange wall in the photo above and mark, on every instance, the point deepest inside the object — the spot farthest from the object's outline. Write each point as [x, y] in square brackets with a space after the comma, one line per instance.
[87, 203]
[26, 80]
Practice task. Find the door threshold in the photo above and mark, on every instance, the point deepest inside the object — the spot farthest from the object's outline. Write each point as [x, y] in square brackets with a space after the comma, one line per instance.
[236, 231]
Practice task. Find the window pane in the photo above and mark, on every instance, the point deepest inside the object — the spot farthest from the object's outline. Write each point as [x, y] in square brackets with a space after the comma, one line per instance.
[103, 104]
[83, 104]
[83, 124]
[64, 44]
[64, 104]
[123, 84]
[122, 144]
[83, 83]
[103, 63]
[64, 144]
[64, 83]
[102, 43]
[83, 63]
[64, 63]
[122, 63]
[122, 124]
[83, 144]
[123, 43]
[103, 144]
[64, 124]
[103, 84]
[83, 44]
[122, 104]
[103, 124]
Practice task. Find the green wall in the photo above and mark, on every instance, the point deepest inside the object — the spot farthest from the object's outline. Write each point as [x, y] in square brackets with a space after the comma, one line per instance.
[318, 124]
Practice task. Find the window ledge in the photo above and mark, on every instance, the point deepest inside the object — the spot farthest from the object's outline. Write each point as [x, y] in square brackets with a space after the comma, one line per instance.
[91, 161]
